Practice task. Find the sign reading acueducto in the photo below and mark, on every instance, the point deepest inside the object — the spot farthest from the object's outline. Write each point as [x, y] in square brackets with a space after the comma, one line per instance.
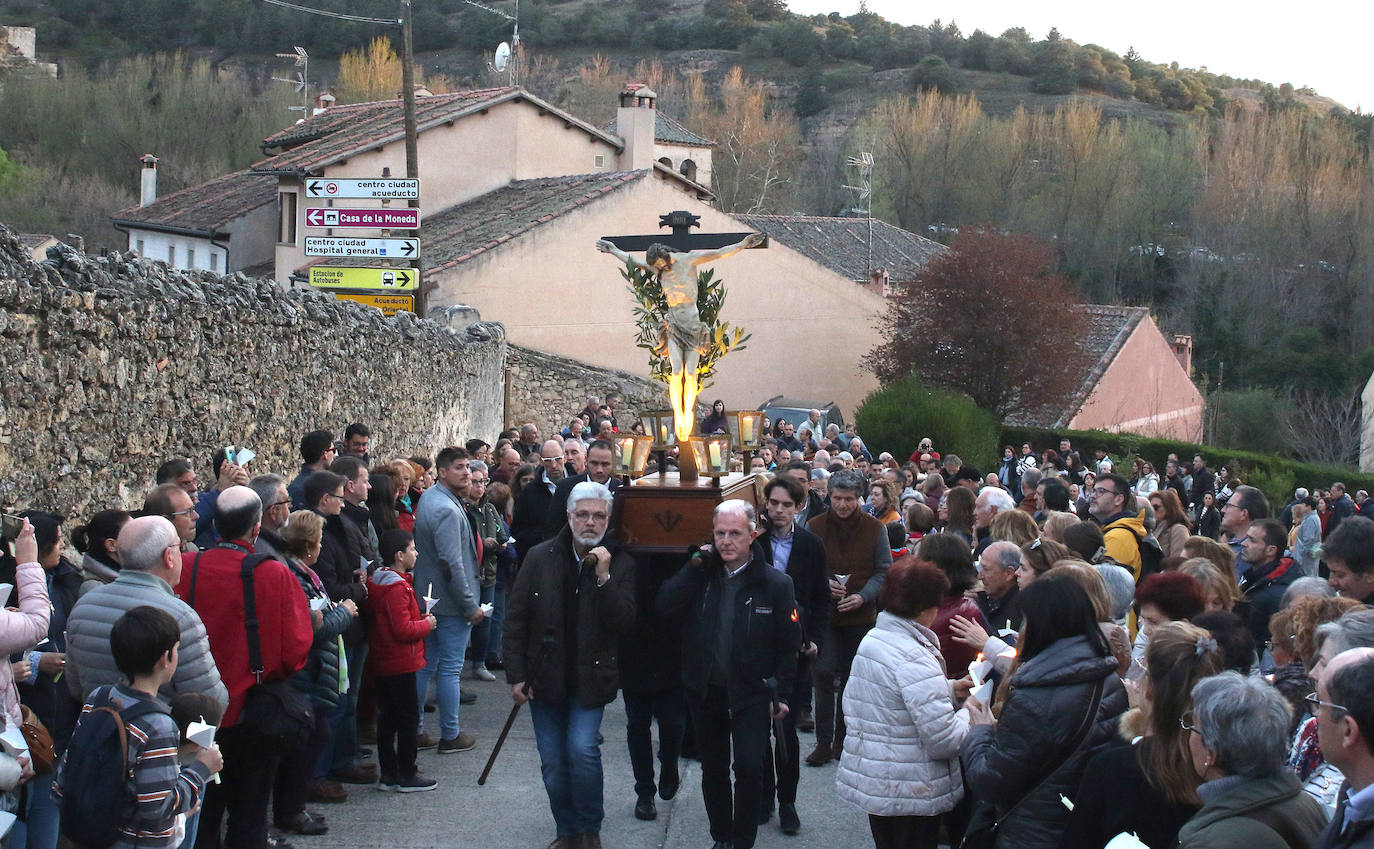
[348, 277]
[380, 188]
[388, 304]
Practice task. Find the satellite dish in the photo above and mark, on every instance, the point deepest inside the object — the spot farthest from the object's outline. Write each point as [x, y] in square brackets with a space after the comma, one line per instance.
[502, 56]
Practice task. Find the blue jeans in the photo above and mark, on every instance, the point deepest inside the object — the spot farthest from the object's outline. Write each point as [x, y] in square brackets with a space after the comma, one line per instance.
[444, 648]
[482, 632]
[343, 720]
[42, 815]
[570, 760]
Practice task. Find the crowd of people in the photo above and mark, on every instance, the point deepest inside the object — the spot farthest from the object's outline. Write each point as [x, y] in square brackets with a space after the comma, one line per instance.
[1049, 654]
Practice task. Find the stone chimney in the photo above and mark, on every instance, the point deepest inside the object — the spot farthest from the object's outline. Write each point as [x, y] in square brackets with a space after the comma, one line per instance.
[1183, 352]
[634, 122]
[323, 102]
[148, 185]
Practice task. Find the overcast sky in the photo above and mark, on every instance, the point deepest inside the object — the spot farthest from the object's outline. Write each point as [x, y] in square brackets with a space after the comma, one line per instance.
[1320, 43]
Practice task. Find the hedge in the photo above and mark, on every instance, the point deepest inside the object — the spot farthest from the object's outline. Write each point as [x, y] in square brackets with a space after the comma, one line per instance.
[895, 418]
[1275, 476]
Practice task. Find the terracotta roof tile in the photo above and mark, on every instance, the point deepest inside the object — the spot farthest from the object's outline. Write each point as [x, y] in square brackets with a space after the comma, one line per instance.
[1102, 332]
[842, 244]
[206, 208]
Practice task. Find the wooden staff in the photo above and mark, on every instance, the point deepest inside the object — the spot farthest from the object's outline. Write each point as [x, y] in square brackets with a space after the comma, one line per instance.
[500, 741]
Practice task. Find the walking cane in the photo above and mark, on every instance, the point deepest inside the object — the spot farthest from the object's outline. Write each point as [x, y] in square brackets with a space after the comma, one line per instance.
[496, 750]
[781, 747]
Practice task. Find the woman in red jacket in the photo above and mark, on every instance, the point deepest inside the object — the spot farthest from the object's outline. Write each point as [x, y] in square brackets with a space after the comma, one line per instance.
[397, 632]
[950, 554]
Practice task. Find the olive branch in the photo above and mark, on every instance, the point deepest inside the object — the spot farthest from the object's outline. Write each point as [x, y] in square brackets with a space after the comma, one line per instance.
[651, 312]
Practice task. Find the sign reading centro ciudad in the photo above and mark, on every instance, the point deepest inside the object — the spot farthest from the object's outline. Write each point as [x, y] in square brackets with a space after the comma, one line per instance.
[378, 287]
[350, 246]
[381, 188]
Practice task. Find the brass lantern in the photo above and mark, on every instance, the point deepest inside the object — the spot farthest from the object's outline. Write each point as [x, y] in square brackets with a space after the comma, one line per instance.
[659, 425]
[632, 453]
[748, 428]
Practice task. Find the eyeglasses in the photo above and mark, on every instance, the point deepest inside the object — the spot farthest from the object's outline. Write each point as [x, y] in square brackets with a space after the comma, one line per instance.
[1315, 704]
[551, 459]
[1097, 490]
[189, 511]
[1186, 723]
[584, 516]
[337, 496]
[279, 503]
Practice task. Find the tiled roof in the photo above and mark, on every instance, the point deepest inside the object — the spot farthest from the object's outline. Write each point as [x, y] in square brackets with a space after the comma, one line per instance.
[669, 131]
[342, 131]
[204, 209]
[841, 244]
[458, 234]
[1102, 331]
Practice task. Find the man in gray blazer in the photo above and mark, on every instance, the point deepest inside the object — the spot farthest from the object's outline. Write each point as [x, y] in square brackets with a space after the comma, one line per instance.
[446, 570]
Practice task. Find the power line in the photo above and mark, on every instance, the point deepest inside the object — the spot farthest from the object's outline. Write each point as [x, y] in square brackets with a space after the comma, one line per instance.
[392, 22]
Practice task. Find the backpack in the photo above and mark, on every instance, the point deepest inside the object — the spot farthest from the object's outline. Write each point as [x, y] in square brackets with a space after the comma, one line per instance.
[1151, 556]
[97, 782]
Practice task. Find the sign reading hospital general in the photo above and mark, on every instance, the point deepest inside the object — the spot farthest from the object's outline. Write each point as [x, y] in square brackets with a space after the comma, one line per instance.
[381, 188]
[347, 277]
[364, 219]
[345, 246]
[388, 304]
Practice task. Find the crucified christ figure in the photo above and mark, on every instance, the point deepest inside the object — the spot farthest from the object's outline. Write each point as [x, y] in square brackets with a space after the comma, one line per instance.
[685, 336]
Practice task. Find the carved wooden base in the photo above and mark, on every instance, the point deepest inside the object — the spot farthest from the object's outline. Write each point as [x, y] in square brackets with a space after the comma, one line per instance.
[661, 515]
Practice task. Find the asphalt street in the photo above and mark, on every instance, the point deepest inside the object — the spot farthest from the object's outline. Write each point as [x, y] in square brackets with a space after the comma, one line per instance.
[512, 809]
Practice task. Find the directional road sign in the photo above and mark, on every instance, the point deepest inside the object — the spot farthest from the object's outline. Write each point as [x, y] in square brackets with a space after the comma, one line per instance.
[370, 219]
[345, 246]
[382, 188]
[388, 304]
[347, 277]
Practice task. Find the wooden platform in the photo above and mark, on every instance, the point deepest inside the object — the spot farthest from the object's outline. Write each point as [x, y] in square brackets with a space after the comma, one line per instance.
[661, 515]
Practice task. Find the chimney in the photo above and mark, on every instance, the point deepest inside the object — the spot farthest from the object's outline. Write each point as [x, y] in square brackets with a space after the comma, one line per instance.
[148, 184]
[1183, 352]
[323, 102]
[634, 122]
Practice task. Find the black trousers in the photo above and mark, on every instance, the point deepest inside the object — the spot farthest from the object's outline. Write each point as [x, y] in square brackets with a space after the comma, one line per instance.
[835, 658]
[398, 717]
[297, 769]
[787, 768]
[905, 832]
[733, 815]
[669, 707]
[242, 795]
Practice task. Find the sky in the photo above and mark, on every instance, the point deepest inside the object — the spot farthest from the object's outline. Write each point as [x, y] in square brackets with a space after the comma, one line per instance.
[1323, 47]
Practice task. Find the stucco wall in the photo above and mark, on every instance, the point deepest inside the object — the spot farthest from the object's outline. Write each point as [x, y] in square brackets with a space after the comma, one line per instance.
[111, 365]
[156, 243]
[1145, 391]
[554, 292]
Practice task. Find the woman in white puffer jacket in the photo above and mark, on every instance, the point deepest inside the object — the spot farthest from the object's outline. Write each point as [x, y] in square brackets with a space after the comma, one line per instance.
[900, 763]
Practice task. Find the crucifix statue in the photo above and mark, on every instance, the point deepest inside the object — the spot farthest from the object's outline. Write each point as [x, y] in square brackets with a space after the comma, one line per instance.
[675, 261]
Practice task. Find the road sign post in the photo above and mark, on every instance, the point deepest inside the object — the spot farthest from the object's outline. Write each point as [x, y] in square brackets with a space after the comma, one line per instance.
[352, 247]
[381, 188]
[371, 279]
[363, 219]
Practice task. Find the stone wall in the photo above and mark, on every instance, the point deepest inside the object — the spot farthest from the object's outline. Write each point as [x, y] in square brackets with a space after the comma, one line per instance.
[111, 365]
[549, 390]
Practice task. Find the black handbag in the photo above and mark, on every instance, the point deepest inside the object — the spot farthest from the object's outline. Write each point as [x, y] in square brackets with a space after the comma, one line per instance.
[274, 713]
[984, 824]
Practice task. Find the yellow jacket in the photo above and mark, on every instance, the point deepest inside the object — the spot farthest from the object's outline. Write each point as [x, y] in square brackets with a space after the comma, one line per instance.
[1122, 540]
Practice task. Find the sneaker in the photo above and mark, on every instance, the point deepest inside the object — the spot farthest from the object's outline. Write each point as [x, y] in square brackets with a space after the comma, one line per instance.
[387, 783]
[481, 674]
[426, 741]
[821, 755]
[417, 783]
[464, 742]
[324, 791]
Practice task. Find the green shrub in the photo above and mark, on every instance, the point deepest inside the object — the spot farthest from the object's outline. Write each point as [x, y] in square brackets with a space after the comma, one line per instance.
[896, 417]
[1275, 476]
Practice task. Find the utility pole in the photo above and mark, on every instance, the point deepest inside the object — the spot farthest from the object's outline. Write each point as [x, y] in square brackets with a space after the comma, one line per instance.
[412, 136]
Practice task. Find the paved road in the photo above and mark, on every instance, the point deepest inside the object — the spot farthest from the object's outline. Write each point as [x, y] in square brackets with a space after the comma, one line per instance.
[512, 810]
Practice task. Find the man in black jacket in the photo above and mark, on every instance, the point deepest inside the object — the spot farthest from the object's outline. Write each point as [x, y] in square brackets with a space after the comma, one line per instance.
[799, 554]
[528, 525]
[740, 638]
[569, 605]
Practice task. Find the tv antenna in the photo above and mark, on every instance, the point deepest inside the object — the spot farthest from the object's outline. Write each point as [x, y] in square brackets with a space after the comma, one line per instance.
[505, 59]
[301, 80]
[863, 195]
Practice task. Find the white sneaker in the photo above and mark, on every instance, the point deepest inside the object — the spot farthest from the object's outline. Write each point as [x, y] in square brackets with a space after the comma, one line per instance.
[481, 673]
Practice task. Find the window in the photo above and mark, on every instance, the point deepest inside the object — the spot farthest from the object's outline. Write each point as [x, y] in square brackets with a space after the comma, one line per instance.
[600, 161]
[286, 207]
[191, 258]
[689, 169]
[172, 255]
[138, 246]
[663, 160]
[214, 261]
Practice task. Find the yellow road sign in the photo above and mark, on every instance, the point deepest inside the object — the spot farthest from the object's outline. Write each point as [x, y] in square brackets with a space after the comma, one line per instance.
[388, 304]
[348, 277]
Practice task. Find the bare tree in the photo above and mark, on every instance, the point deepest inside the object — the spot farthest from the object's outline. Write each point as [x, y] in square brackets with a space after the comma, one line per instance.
[1323, 428]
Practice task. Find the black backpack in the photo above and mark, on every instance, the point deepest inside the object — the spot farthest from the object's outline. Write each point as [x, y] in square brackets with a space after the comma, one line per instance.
[98, 796]
[1151, 556]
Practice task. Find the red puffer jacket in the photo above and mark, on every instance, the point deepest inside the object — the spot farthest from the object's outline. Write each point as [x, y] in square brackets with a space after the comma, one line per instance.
[397, 629]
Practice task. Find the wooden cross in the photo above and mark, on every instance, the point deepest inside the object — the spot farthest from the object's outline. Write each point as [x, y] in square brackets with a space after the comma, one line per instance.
[682, 238]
